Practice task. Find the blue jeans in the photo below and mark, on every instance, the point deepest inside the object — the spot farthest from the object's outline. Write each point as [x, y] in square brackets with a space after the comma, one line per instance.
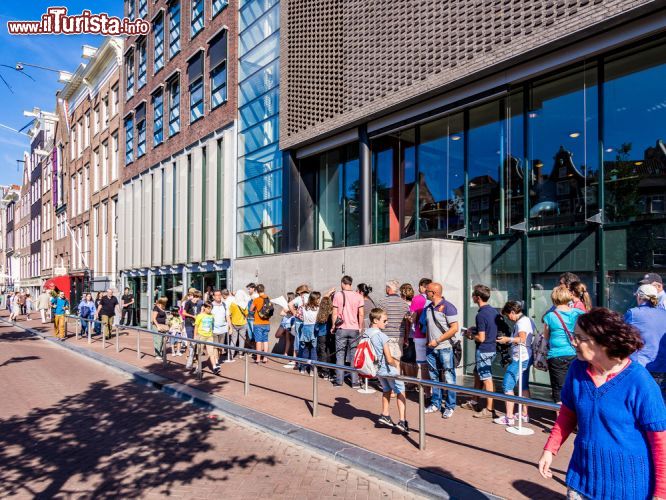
[441, 359]
[307, 350]
[510, 381]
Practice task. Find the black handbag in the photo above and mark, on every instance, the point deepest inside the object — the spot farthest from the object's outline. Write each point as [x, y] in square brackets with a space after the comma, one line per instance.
[409, 353]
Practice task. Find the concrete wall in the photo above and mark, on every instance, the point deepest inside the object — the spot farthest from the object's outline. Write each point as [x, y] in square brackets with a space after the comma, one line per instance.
[405, 261]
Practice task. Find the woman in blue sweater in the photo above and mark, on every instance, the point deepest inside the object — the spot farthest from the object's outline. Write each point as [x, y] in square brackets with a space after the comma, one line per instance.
[620, 449]
[86, 312]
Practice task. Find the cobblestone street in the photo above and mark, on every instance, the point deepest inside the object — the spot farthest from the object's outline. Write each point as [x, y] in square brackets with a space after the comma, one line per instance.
[72, 428]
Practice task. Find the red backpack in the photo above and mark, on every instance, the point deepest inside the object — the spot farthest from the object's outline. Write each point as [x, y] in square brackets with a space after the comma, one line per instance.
[365, 359]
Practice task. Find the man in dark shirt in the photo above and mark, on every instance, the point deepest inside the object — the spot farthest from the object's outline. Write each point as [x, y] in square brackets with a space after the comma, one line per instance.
[127, 304]
[485, 336]
[107, 310]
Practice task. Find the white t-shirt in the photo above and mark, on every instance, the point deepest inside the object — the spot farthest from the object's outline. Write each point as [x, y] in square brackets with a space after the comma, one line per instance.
[309, 316]
[524, 324]
[219, 313]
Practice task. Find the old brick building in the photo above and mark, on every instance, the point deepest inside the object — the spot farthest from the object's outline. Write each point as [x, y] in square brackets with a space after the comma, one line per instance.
[91, 171]
[179, 109]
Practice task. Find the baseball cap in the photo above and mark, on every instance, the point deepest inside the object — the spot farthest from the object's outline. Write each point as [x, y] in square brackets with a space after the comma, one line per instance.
[647, 291]
[650, 278]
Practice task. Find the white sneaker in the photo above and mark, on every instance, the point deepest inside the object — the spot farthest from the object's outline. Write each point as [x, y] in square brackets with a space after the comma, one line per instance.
[431, 409]
[504, 420]
[448, 413]
[526, 419]
[289, 365]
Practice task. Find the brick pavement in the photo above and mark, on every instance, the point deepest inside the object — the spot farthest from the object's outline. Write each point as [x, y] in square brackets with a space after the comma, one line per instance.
[475, 452]
[72, 428]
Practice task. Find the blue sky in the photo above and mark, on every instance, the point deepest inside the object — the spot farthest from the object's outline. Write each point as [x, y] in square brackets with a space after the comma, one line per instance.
[61, 52]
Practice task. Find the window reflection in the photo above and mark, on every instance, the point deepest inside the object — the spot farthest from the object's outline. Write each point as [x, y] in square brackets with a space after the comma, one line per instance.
[441, 177]
[563, 124]
[635, 135]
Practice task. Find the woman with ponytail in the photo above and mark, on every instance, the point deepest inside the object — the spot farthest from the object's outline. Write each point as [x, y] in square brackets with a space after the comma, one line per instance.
[581, 297]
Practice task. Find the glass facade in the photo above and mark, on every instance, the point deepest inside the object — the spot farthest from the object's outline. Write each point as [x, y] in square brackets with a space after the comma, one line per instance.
[259, 223]
[565, 172]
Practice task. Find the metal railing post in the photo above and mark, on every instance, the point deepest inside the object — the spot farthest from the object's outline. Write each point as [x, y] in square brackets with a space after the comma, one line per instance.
[138, 344]
[117, 333]
[315, 391]
[422, 432]
[103, 337]
[199, 353]
[246, 384]
[90, 327]
[78, 328]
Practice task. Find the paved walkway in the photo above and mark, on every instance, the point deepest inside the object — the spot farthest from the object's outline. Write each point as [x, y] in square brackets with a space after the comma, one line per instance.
[473, 451]
[72, 428]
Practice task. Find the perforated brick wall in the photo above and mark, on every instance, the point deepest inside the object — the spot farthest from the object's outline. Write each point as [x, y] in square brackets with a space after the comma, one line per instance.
[343, 60]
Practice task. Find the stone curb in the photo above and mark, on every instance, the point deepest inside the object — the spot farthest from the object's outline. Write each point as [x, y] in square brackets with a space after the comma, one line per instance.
[412, 479]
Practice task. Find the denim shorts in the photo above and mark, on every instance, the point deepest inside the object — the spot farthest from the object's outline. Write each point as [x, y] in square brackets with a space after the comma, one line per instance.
[511, 376]
[389, 384]
[261, 333]
[484, 363]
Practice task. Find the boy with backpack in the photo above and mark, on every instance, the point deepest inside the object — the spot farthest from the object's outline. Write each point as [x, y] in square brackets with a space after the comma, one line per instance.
[386, 365]
[263, 310]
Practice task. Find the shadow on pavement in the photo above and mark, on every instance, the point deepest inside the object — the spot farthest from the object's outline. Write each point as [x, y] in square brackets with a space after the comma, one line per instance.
[112, 441]
[536, 491]
[449, 484]
[20, 359]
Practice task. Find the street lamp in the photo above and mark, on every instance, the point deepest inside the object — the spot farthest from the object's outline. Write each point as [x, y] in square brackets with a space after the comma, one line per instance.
[63, 76]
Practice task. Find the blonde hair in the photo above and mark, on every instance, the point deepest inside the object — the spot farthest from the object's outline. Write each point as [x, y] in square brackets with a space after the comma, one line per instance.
[561, 295]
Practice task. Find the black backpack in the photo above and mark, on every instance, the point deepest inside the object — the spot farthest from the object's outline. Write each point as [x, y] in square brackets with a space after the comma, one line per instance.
[267, 309]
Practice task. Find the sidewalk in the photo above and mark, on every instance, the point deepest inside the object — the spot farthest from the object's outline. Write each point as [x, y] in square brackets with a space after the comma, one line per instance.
[72, 428]
[476, 452]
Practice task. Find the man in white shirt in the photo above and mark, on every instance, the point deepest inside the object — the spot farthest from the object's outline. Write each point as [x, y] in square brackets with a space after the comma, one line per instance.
[220, 312]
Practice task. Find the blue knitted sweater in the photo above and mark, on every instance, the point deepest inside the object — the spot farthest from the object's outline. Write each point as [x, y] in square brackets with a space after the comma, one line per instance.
[611, 458]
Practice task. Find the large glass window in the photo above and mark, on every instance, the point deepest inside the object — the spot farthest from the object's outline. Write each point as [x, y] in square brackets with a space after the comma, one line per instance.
[143, 8]
[563, 149]
[141, 138]
[141, 75]
[196, 100]
[441, 185]
[393, 203]
[634, 142]
[217, 61]
[158, 115]
[158, 39]
[174, 106]
[197, 21]
[129, 72]
[174, 28]
[218, 6]
[129, 140]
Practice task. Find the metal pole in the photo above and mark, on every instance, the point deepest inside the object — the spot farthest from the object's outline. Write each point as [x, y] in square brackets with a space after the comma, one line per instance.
[103, 338]
[315, 391]
[90, 327]
[246, 388]
[138, 344]
[78, 327]
[422, 434]
[117, 339]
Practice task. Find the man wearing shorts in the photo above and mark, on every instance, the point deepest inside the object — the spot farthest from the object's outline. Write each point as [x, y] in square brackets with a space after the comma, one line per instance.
[485, 336]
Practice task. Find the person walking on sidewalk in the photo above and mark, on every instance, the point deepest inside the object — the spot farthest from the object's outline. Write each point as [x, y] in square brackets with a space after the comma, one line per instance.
[620, 446]
[521, 349]
[60, 309]
[107, 311]
[347, 319]
[485, 336]
[387, 366]
[127, 308]
[262, 321]
[44, 305]
[440, 322]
